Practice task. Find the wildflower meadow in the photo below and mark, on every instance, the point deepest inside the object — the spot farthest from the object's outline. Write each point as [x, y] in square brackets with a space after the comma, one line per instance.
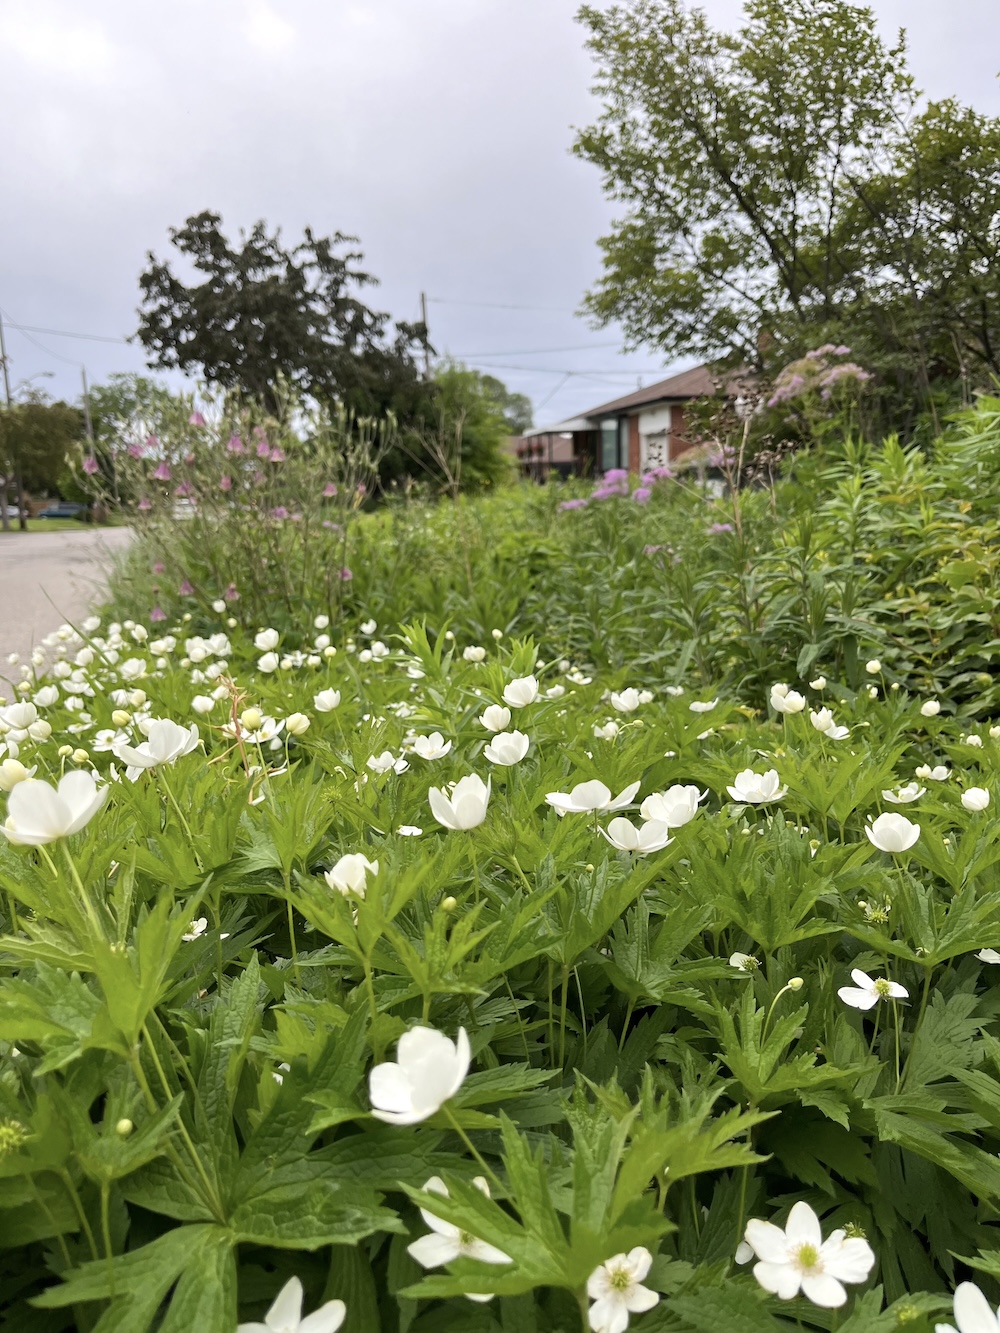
[567, 909]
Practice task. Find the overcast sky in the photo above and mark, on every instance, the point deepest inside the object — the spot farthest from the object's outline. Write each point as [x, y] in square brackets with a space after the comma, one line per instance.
[437, 131]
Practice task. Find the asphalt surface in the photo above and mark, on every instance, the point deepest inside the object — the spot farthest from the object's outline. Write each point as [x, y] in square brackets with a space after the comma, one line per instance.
[47, 578]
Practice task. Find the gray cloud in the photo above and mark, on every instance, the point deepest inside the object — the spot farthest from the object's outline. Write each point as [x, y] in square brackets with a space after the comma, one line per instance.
[437, 131]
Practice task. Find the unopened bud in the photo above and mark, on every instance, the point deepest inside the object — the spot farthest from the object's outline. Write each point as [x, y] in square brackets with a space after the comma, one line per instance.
[449, 904]
[121, 718]
[64, 751]
[80, 756]
[251, 719]
[124, 1128]
[795, 983]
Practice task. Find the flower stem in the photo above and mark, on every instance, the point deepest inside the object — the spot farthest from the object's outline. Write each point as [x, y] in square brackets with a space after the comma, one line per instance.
[471, 1146]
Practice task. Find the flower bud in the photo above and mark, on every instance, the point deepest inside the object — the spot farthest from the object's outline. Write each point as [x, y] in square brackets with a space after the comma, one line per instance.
[124, 1128]
[795, 983]
[449, 904]
[80, 756]
[12, 771]
[930, 708]
[297, 724]
[64, 751]
[120, 718]
[873, 667]
[251, 719]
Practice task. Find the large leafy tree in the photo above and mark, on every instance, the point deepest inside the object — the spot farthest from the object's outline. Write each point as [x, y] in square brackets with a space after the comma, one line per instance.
[36, 437]
[779, 189]
[261, 313]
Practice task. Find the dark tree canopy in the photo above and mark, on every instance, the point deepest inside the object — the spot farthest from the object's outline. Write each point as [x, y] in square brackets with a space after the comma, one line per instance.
[264, 312]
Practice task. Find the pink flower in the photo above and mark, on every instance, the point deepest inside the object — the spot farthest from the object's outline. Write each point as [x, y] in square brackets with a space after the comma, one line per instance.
[263, 449]
[279, 512]
[183, 490]
[144, 504]
[226, 483]
[259, 478]
[152, 442]
[159, 567]
[231, 594]
[361, 488]
[185, 590]
[189, 460]
[90, 465]
[346, 575]
[157, 614]
[235, 445]
[641, 495]
[573, 504]
[162, 473]
[135, 451]
[196, 419]
[329, 490]
[277, 455]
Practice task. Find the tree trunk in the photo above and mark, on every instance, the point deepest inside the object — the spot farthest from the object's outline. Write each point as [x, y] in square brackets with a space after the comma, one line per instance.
[22, 505]
[4, 516]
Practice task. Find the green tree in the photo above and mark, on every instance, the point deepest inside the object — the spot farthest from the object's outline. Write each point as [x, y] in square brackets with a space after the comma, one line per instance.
[458, 440]
[36, 437]
[264, 313]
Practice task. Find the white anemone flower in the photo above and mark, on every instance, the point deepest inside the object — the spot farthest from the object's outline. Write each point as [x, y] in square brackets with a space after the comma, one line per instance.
[625, 702]
[750, 788]
[350, 874]
[822, 719]
[892, 833]
[867, 991]
[386, 762]
[429, 1069]
[743, 962]
[616, 1290]
[12, 771]
[465, 804]
[786, 700]
[519, 693]
[165, 743]
[266, 640]
[837, 733]
[930, 708]
[939, 773]
[588, 797]
[433, 746]
[38, 813]
[495, 717]
[268, 663]
[975, 799]
[699, 707]
[674, 807]
[911, 791]
[988, 956]
[446, 1242]
[798, 1258]
[973, 1312]
[507, 748]
[285, 1315]
[326, 701]
[652, 836]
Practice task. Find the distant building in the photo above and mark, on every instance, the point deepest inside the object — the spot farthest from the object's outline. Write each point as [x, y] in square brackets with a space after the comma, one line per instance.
[639, 431]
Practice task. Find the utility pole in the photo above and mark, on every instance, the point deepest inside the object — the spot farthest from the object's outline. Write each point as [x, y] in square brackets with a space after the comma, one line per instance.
[4, 516]
[86, 405]
[427, 351]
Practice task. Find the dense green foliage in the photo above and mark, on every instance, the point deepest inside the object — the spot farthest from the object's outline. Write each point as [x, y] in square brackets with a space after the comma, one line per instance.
[197, 982]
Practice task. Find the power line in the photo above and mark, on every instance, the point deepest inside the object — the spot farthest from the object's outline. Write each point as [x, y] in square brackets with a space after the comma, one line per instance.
[561, 370]
[500, 305]
[540, 351]
[64, 333]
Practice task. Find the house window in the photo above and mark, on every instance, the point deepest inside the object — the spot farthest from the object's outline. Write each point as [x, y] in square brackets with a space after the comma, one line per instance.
[610, 435]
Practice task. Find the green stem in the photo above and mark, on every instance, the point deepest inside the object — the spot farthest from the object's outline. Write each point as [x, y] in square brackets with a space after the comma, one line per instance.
[488, 1170]
[562, 1017]
[630, 1010]
[895, 1016]
[88, 905]
[291, 930]
[67, 1180]
[180, 815]
[106, 1234]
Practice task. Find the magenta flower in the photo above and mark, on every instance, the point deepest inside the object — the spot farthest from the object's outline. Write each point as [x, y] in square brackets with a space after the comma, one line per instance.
[641, 495]
[277, 455]
[152, 442]
[135, 451]
[196, 419]
[144, 504]
[573, 504]
[226, 483]
[329, 490]
[90, 465]
[346, 575]
[259, 478]
[279, 511]
[235, 445]
[183, 490]
[232, 593]
[185, 590]
[159, 567]
[162, 473]
[263, 449]
[157, 613]
[721, 527]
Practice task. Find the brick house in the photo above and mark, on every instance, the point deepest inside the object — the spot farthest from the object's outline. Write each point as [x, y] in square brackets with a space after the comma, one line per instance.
[638, 431]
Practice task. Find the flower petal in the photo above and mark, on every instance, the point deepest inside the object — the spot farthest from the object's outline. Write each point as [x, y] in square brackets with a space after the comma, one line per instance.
[824, 1290]
[802, 1227]
[287, 1308]
[767, 1241]
[780, 1280]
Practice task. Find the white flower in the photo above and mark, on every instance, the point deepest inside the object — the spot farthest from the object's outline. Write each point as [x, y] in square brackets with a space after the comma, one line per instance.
[519, 693]
[872, 691]
[836, 733]
[495, 718]
[465, 807]
[939, 773]
[743, 962]
[821, 720]
[818, 684]
[652, 836]
[557, 692]
[507, 748]
[38, 813]
[975, 741]
[930, 708]
[608, 732]
[867, 991]
[697, 707]
[473, 653]
[428, 1069]
[202, 703]
[973, 1312]
[433, 746]
[368, 627]
[409, 831]
[285, 1315]
[910, 792]
[265, 640]
[785, 700]
[586, 797]
[12, 771]
[268, 663]
[615, 1289]
[47, 695]
[165, 743]
[674, 807]
[988, 956]
[386, 762]
[197, 928]
[326, 701]
[350, 874]
[873, 666]
[19, 717]
[892, 833]
[799, 1257]
[447, 1242]
[626, 702]
[752, 788]
[133, 669]
[976, 798]
[297, 724]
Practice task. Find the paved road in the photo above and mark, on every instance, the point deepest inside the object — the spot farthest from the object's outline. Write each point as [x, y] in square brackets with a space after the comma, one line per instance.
[49, 577]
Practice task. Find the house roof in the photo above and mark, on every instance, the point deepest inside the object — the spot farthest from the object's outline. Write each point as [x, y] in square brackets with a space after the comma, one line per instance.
[698, 382]
[560, 428]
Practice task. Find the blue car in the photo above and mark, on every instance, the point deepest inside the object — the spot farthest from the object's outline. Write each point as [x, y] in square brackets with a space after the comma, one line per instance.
[62, 509]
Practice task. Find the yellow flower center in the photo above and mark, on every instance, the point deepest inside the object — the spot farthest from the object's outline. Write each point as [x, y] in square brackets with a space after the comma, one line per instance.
[807, 1257]
[882, 988]
[620, 1279]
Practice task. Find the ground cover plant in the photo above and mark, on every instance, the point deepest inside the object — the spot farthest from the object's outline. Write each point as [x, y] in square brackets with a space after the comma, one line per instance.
[357, 964]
